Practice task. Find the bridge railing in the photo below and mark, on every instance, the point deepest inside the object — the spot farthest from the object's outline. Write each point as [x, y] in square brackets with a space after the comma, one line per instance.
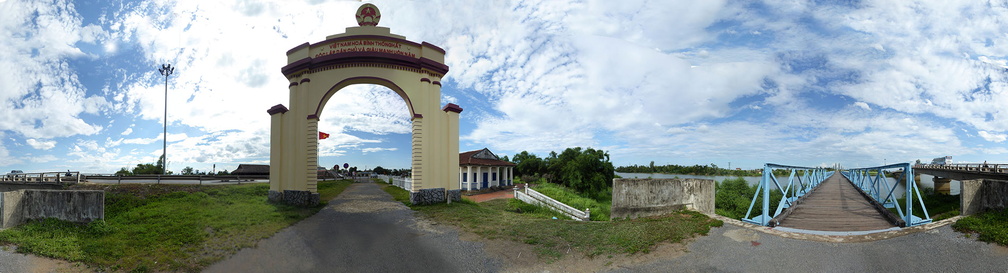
[872, 181]
[801, 181]
[969, 167]
[44, 177]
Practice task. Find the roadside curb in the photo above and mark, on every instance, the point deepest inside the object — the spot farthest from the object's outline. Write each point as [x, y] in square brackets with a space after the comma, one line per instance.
[860, 238]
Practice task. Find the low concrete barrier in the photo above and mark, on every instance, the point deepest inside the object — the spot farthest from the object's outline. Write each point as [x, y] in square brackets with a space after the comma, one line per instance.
[534, 197]
[642, 197]
[983, 194]
[80, 206]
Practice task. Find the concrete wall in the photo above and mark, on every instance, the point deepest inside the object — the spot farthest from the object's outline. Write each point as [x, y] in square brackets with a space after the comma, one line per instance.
[633, 198]
[81, 206]
[983, 194]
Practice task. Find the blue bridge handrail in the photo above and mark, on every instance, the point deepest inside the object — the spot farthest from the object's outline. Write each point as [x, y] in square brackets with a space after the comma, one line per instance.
[872, 181]
[801, 181]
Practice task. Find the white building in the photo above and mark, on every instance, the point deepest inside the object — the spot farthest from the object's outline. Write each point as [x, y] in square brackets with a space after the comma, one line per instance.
[483, 169]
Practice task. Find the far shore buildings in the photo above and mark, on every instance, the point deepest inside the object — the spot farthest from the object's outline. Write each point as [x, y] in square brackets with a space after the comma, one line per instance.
[482, 169]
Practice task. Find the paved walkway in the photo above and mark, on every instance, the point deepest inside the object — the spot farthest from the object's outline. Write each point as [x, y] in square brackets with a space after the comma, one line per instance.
[503, 194]
[362, 230]
[836, 205]
[736, 249]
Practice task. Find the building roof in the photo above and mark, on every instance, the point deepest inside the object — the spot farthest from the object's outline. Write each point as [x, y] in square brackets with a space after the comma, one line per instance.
[482, 157]
[251, 169]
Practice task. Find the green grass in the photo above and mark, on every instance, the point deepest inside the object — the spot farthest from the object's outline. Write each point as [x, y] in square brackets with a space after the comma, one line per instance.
[498, 219]
[599, 210]
[992, 226]
[165, 227]
[939, 206]
[733, 196]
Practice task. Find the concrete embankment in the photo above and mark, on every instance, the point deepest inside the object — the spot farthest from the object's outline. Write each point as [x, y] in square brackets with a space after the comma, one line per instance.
[17, 207]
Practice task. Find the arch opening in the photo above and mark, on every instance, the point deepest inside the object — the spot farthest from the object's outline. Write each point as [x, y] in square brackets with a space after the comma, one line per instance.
[369, 125]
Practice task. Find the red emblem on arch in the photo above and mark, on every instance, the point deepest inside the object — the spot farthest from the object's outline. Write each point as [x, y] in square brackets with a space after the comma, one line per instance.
[368, 15]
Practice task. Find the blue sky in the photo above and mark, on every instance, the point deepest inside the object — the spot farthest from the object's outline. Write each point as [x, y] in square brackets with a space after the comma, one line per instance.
[678, 82]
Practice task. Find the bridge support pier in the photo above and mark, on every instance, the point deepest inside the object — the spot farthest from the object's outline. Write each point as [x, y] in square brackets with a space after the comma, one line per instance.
[942, 185]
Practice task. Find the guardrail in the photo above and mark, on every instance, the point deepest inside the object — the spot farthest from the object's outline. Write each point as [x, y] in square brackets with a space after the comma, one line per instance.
[807, 179]
[44, 177]
[159, 178]
[968, 167]
[872, 181]
[533, 197]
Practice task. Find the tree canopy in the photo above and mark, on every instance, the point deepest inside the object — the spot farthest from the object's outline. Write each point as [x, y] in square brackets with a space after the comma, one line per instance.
[587, 171]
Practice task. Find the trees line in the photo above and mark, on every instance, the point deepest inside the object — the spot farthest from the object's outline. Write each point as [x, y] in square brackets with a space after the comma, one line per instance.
[711, 169]
[587, 171]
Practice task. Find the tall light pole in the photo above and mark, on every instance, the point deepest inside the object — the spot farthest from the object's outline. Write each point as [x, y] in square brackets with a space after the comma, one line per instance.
[166, 70]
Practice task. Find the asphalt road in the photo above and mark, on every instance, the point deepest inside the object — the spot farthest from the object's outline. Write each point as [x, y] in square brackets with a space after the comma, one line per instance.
[735, 249]
[362, 230]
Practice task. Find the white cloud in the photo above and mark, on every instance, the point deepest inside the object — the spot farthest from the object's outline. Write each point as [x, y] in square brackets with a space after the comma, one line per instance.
[863, 105]
[40, 144]
[375, 150]
[127, 131]
[40, 94]
[993, 137]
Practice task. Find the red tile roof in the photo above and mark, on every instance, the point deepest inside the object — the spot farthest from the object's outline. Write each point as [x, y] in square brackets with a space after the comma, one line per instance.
[482, 157]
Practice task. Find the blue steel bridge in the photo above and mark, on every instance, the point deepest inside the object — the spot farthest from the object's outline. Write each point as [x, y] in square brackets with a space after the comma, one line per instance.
[854, 201]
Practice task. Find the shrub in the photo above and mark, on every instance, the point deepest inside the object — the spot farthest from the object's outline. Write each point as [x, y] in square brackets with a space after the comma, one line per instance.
[733, 196]
[599, 210]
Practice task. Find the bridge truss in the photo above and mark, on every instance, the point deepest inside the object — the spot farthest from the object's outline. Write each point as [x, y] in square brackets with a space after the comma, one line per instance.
[801, 181]
[872, 181]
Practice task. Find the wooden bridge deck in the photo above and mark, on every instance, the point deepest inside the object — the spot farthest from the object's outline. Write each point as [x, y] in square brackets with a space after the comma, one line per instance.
[836, 205]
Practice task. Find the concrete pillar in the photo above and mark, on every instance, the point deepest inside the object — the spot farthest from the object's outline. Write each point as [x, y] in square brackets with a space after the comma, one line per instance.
[470, 178]
[942, 185]
[479, 177]
[510, 175]
[968, 203]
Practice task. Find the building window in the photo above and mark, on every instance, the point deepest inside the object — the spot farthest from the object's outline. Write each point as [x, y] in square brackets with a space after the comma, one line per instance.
[494, 177]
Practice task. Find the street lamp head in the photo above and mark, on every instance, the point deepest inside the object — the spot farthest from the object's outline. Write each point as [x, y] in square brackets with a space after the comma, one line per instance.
[166, 69]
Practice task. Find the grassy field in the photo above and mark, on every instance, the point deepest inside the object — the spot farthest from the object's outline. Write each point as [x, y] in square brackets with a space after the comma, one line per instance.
[599, 210]
[165, 227]
[991, 226]
[552, 239]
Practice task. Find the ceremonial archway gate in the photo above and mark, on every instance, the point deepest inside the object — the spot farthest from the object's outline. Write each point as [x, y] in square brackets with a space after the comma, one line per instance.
[366, 54]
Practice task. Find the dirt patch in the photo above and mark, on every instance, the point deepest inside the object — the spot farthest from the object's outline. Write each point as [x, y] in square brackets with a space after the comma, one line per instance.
[42, 264]
[520, 257]
[742, 235]
[367, 206]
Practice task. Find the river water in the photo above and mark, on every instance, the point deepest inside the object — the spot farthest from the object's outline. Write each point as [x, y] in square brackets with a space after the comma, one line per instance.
[926, 181]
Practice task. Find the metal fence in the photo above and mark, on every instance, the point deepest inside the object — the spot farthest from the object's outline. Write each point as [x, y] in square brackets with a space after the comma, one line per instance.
[801, 180]
[872, 181]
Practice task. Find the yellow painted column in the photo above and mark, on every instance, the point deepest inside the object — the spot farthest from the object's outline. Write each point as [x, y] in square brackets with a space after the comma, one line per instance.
[311, 182]
[451, 142]
[417, 155]
[276, 149]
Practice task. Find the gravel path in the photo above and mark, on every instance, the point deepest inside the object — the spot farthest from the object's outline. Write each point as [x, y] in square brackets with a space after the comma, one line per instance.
[735, 249]
[362, 230]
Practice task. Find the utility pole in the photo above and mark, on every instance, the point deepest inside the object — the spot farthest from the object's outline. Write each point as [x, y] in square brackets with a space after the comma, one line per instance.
[166, 70]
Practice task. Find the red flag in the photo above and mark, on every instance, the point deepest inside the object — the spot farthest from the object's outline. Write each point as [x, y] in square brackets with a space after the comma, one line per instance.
[322, 135]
